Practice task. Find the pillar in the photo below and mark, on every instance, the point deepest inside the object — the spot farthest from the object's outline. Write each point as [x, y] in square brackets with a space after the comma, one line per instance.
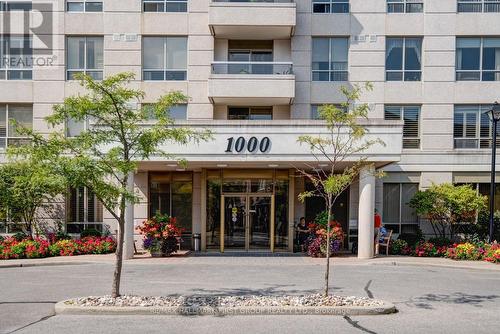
[128, 251]
[365, 212]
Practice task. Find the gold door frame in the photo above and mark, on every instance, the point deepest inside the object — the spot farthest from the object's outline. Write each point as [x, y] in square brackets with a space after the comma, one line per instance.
[247, 218]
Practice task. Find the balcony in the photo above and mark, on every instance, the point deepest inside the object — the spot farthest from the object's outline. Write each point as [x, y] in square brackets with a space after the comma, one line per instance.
[257, 19]
[251, 83]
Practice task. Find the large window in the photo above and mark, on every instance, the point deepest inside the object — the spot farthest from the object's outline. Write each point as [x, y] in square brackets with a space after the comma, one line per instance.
[165, 5]
[16, 53]
[397, 214]
[472, 127]
[164, 58]
[84, 211]
[478, 6]
[411, 128]
[403, 59]
[329, 59]
[478, 59]
[250, 113]
[83, 6]
[15, 5]
[9, 115]
[84, 54]
[405, 6]
[172, 194]
[330, 6]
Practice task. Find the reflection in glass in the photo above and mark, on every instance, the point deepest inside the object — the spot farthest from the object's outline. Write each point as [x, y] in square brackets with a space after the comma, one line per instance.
[281, 214]
[213, 213]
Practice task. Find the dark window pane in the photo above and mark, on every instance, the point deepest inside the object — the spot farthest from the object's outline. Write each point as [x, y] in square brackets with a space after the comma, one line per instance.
[93, 6]
[394, 54]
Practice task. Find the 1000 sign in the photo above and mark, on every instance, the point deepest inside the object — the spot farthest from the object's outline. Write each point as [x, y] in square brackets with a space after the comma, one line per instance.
[252, 145]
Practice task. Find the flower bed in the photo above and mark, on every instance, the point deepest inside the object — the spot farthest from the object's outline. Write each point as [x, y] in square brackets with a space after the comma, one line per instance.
[28, 248]
[316, 243]
[478, 251]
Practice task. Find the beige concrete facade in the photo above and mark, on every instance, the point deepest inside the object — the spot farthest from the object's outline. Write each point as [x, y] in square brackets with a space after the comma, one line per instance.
[210, 26]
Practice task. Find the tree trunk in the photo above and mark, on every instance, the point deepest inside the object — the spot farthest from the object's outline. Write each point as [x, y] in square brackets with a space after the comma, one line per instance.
[115, 290]
[327, 272]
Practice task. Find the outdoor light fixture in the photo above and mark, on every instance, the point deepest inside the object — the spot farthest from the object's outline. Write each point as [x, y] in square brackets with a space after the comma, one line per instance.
[172, 165]
[273, 166]
[221, 165]
[494, 115]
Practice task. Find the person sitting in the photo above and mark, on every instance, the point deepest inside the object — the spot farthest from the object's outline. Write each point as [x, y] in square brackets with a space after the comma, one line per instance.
[303, 233]
[382, 233]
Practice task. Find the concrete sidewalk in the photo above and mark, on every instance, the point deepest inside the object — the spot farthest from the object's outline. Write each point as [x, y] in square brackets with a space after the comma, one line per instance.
[184, 257]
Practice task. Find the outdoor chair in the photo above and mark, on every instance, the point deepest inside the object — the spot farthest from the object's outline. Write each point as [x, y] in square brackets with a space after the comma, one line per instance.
[385, 242]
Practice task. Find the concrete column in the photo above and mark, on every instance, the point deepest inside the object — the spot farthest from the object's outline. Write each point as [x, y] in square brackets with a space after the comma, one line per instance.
[128, 251]
[365, 212]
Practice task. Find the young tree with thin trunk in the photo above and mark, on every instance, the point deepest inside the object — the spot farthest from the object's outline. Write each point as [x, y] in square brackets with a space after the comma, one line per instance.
[119, 134]
[342, 148]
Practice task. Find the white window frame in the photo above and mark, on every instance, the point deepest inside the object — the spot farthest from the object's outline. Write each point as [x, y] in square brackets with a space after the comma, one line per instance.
[84, 2]
[481, 71]
[400, 220]
[402, 109]
[84, 70]
[331, 3]
[403, 70]
[483, 5]
[7, 134]
[478, 140]
[164, 2]
[164, 69]
[330, 71]
[5, 60]
[405, 4]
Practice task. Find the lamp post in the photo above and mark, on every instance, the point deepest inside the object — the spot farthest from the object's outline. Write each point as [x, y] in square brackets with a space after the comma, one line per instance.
[494, 115]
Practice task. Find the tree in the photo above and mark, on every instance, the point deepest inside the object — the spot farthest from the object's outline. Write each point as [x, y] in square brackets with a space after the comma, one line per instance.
[101, 157]
[28, 189]
[445, 205]
[341, 149]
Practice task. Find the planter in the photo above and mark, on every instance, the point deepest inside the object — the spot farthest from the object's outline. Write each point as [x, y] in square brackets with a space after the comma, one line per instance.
[163, 248]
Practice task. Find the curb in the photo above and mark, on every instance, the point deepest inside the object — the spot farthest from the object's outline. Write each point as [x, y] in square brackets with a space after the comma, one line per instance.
[439, 265]
[62, 308]
[45, 264]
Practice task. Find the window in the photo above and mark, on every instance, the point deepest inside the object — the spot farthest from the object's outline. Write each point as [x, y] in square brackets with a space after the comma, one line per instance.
[405, 6]
[165, 5]
[83, 6]
[472, 127]
[172, 194]
[250, 113]
[164, 58]
[176, 112]
[315, 109]
[15, 5]
[16, 53]
[411, 128]
[403, 59]
[329, 59]
[397, 214]
[478, 6]
[84, 54]
[84, 211]
[74, 128]
[478, 59]
[10, 113]
[330, 6]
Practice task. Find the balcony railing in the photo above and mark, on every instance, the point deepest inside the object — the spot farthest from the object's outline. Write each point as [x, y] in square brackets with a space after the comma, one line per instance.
[258, 67]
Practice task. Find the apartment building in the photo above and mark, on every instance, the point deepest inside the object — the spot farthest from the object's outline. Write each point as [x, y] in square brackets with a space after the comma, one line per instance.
[256, 73]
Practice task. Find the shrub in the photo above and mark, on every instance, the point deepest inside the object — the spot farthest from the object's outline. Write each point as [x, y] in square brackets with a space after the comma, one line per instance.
[440, 241]
[91, 232]
[20, 236]
[397, 246]
[428, 249]
[411, 239]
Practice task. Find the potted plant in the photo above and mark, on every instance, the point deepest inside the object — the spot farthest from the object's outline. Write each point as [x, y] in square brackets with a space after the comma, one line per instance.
[160, 235]
[317, 240]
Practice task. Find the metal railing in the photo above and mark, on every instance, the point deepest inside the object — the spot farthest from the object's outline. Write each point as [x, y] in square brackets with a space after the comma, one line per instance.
[256, 67]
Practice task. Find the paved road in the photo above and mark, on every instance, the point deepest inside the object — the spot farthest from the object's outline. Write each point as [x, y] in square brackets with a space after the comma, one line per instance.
[429, 299]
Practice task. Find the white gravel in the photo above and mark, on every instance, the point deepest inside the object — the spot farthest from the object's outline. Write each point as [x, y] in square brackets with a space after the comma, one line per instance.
[226, 301]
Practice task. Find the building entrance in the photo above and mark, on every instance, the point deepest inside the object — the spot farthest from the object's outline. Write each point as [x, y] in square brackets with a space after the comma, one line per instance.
[247, 222]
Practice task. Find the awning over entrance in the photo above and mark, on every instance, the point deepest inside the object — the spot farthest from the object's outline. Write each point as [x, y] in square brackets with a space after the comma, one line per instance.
[259, 143]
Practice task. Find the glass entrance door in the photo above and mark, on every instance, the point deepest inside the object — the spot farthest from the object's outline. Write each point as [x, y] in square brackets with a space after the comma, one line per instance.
[259, 222]
[247, 222]
[235, 222]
